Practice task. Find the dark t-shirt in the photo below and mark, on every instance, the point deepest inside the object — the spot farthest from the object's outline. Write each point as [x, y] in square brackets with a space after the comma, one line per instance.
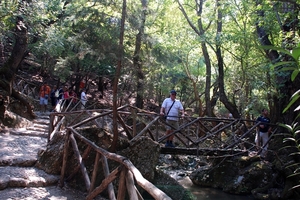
[265, 121]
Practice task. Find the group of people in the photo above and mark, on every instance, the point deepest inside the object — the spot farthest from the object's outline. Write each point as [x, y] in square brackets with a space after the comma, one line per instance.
[171, 107]
[59, 96]
[170, 110]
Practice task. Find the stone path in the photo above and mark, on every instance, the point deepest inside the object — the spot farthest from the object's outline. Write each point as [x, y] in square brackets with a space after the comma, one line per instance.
[19, 179]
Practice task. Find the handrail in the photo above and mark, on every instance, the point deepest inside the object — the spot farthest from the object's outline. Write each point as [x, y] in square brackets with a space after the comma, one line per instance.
[211, 129]
[141, 181]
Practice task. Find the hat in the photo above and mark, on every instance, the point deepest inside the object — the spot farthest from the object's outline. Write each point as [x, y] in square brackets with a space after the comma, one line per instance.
[172, 92]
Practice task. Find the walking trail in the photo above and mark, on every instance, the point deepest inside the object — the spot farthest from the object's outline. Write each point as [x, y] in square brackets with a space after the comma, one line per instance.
[19, 179]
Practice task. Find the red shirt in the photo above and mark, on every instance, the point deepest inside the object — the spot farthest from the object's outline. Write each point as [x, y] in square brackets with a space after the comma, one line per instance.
[44, 90]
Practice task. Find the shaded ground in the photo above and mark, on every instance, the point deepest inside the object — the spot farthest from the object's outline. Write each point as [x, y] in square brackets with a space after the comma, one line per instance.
[44, 193]
[19, 179]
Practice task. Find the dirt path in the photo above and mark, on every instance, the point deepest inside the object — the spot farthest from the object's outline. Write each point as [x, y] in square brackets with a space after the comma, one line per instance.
[19, 179]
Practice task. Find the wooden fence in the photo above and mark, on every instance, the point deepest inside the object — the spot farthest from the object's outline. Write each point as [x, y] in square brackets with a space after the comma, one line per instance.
[126, 173]
[230, 136]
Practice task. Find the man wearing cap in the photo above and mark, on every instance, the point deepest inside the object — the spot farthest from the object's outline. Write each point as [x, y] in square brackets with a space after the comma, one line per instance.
[170, 108]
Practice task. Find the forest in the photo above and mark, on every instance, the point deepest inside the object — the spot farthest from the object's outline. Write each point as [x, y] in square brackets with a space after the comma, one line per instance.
[221, 56]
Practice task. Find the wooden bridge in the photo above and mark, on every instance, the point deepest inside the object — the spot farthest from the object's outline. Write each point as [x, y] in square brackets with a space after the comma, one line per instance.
[195, 136]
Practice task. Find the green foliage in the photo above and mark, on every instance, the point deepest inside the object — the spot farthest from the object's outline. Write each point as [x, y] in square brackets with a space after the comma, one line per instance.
[293, 66]
[82, 36]
[293, 142]
[294, 139]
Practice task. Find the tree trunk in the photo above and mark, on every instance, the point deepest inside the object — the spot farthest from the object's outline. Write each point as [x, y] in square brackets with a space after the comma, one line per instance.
[223, 97]
[208, 107]
[10, 67]
[116, 79]
[137, 62]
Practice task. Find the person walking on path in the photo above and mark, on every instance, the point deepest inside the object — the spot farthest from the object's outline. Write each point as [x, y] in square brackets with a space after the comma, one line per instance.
[83, 98]
[66, 96]
[262, 132]
[170, 109]
[44, 96]
[54, 97]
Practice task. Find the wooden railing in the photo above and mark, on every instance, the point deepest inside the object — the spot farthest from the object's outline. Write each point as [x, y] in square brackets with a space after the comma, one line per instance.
[126, 173]
[198, 133]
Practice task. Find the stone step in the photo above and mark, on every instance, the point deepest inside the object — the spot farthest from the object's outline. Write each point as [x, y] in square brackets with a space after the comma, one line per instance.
[37, 128]
[33, 133]
[42, 126]
[42, 122]
[25, 177]
[42, 115]
[43, 193]
[20, 150]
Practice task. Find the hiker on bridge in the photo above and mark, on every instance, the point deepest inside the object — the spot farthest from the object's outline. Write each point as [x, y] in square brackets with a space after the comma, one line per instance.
[170, 109]
[262, 132]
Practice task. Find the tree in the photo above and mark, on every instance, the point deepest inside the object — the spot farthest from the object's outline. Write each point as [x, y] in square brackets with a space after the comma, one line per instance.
[288, 26]
[137, 61]
[115, 84]
[10, 67]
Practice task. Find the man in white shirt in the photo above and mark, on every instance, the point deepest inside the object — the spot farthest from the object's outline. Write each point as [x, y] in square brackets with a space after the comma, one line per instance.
[83, 98]
[170, 108]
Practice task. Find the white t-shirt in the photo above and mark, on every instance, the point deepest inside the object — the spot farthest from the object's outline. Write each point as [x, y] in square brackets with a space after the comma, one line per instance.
[83, 96]
[167, 103]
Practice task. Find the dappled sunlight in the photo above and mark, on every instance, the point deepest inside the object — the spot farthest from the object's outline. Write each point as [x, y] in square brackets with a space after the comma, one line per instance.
[11, 148]
[49, 193]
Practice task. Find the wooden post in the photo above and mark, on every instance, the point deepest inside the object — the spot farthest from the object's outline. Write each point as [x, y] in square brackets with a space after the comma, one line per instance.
[112, 176]
[51, 128]
[121, 121]
[57, 127]
[110, 186]
[84, 156]
[122, 184]
[145, 184]
[65, 157]
[79, 158]
[130, 186]
[95, 171]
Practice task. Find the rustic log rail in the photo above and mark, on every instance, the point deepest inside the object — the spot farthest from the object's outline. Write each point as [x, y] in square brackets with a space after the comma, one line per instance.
[196, 136]
[193, 132]
[126, 173]
[129, 171]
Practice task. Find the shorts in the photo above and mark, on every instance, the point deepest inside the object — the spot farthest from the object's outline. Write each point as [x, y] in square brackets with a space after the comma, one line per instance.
[173, 123]
[43, 101]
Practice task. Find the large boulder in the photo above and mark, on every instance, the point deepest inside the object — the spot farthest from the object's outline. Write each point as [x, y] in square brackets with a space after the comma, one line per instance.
[144, 154]
[50, 160]
[239, 175]
[269, 178]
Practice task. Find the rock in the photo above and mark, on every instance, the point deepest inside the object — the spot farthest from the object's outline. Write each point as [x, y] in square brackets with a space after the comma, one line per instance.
[144, 154]
[50, 160]
[239, 175]
[12, 119]
[171, 187]
[25, 177]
